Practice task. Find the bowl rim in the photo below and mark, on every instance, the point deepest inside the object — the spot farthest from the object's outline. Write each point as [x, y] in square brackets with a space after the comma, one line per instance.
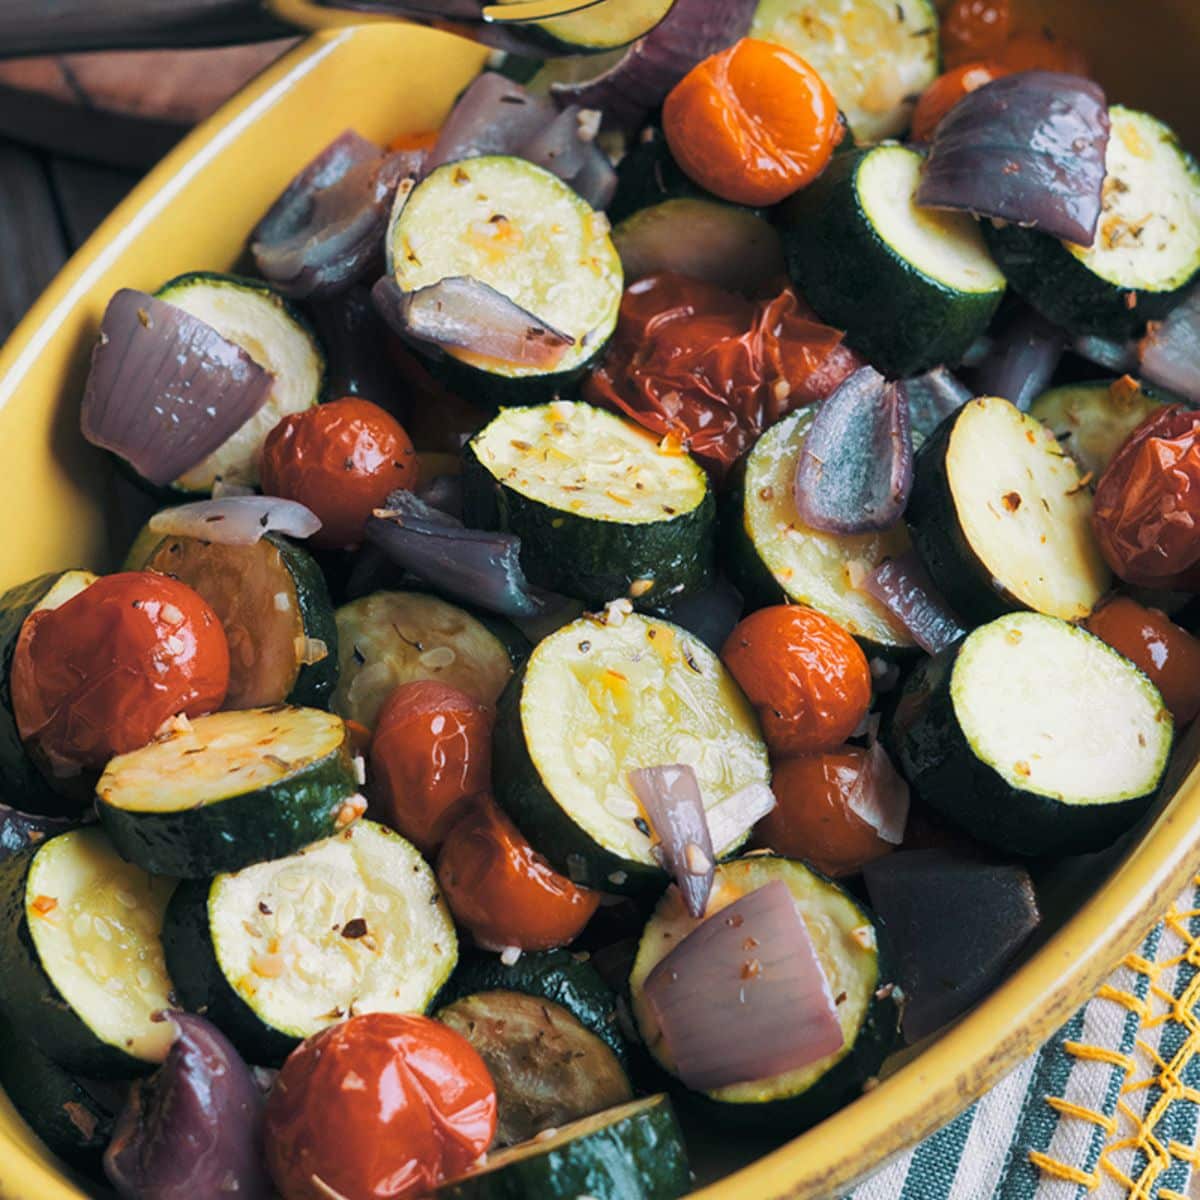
[942, 1078]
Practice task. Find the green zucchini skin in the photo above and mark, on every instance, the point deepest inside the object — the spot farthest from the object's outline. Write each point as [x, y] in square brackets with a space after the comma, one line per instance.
[595, 561]
[648, 175]
[34, 1005]
[255, 826]
[899, 318]
[501, 391]
[74, 1121]
[201, 984]
[639, 1157]
[554, 975]
[1043, 271]
[929, 747]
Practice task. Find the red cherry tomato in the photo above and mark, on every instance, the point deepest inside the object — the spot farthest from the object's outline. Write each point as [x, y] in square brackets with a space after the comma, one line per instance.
[432, 749]
[1147, 508]
[381, 1107]
[973, 29]
[812, 818]
[712, 369]
[502, 890]
[340, 459]
[752, 124]
[99, 675]
[808, 678]
[1170, 656]
[946, 91]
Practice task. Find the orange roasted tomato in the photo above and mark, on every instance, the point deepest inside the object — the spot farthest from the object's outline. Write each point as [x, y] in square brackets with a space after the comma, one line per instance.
[502, 890]
[381, 1107]
[341, 460]
[1147, 508]
[806, 676]
[752, 124]
[99, 675]
[946, 91]
[712, 369]
[974, 29]
[431, 750]
[1170, 656]
[812, 818]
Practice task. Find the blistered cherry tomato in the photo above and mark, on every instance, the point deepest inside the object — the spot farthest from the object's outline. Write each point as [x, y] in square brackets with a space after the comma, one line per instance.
[99, 675]
[502, 890]
[381, 1107]
[974, 29]
[423, 139]
[812, 818]
[1170, 656]
[1042, 51]
[1147, 507]
[432, 749]
[805, 674]
[340, 459]
[711, 369]
[946, 91]
[752, 124]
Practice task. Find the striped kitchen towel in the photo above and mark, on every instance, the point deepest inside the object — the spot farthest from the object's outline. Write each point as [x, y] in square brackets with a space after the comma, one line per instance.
[1107, 1109]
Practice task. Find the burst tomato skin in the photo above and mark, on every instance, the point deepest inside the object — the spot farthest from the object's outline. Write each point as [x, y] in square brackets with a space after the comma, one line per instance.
[99, 675]
[812, 818]
[752, 124]
[384, 1106]
[1146, 512]
[973, 29]
[432, 750]
[502, 891]
[1168, 655]
[946, 91]
[806, 676]
[341, 460]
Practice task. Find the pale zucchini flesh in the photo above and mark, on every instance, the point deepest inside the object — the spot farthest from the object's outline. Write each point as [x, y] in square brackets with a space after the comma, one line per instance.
[349, 925]
[601, 699]
[389, 638]
[1056, 712]
[96, 924]
[523, 232]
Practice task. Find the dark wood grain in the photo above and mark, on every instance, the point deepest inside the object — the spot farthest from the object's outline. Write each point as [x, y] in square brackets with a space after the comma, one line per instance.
[86, 194]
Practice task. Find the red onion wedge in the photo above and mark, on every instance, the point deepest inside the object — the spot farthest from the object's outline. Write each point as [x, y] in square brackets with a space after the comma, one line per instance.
[236, 520]
[744, 996]
[326, 230]
[670, 797]
[739, 813]
[481, 567]
[932, 397]
[1027, 148]
[465, 314]
[880, 796]
[165, 389]
[1121, 357]
[856, 467]
[20, 830]
[1022, 360]
[195, 1127]
[639, 82]
[1170, 351]
[903, 587]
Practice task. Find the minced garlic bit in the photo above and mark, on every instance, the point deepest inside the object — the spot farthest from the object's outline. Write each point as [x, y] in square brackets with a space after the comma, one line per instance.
[360, 770]
[697, 862]
[864, 935]
[615, 612]
[510, 955]
[639, 587]
[352, 808]
[311, 650]
[618, 878]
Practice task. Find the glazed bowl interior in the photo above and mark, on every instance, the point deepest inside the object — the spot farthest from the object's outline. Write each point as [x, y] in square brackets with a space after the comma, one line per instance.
[65, 509]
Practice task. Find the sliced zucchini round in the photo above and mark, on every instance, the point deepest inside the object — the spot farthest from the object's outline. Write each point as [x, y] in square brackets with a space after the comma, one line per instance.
[29, 785]
[596, 700]
[774, 558]
[389, 638]
[877, 56]
[1002, 519]
[230, 789]
[847, 942]
[1147, 247]
[274, 606]
[1034, 736]
[635, 1152]
[81, 955]
[278, 951]
[912, 287]
[1092, 420]
[251, 315]
[596, 30]
[602, 509]
[522, 231]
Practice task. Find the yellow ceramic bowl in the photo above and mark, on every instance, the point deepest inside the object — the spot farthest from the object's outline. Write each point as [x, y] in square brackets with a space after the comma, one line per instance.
[194, 211]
